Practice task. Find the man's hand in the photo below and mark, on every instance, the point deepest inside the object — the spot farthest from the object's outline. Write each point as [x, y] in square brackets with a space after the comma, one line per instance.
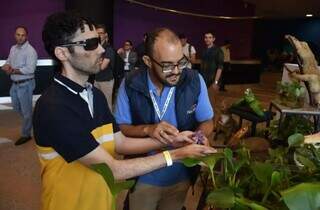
[192, 150]
[215, 87]
[182, 139]
[120, 51]
[163, 132]
[7, 69]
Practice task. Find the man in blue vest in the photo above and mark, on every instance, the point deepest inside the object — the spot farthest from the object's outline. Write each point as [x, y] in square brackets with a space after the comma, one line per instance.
[159, 102]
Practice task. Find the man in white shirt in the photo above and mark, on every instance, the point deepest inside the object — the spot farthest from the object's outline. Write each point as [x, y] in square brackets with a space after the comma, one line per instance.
[188, 50]
[20, 66]
[128, 55]
[226, 62]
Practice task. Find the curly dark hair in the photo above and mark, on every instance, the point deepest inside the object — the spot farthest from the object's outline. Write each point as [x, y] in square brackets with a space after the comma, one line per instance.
[60, 28]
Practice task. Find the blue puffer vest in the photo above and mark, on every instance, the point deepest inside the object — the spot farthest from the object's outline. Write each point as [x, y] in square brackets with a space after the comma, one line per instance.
[186, 99]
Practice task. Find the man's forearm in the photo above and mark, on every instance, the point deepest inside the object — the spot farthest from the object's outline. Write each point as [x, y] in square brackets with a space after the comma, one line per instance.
[124, 169]
[128, 146]
[135, 130]
[218, 74]
[206, 127]
[16, 71]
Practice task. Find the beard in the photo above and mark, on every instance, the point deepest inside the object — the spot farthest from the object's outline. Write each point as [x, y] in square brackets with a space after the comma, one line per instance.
[165, 81]
[85, 69]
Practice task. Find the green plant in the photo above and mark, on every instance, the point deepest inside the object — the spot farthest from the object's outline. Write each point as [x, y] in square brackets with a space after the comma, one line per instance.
[291, 124]
[240, 182]
[115, 187]
[250, 100]
[291, 94]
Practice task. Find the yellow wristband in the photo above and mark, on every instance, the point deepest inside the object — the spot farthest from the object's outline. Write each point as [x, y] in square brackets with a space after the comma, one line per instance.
[168, 158]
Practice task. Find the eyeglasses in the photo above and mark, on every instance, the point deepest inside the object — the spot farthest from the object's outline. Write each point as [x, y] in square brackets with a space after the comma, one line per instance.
[88, 44]
[168, 67]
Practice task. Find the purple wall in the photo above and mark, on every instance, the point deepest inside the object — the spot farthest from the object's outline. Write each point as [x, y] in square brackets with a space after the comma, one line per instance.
[131, 21]
[30, 13]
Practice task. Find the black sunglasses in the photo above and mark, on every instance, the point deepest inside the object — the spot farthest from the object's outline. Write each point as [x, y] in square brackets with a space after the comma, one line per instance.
[87, 44]
[168, 67]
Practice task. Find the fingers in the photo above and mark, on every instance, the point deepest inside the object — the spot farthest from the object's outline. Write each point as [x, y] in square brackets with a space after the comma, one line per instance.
[165, 137]
[200, 150]
[168, 128]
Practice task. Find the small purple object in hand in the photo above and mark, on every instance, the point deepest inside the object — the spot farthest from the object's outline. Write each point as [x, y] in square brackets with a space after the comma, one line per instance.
[199, 137]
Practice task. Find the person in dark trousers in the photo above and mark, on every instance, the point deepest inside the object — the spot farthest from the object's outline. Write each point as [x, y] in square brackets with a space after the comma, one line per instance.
[211, 62]
[104, 80]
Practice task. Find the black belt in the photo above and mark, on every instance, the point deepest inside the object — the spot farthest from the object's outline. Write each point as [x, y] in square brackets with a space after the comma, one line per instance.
[22, 81]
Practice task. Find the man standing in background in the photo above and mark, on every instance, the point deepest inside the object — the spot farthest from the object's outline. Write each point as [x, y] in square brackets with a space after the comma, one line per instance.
[211, 61]
[226, 64]
[104, 80]
[129, 56]
[188, 50]
[21, 65]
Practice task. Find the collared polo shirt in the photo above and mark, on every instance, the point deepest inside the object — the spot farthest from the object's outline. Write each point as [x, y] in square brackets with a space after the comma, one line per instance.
[67, 115]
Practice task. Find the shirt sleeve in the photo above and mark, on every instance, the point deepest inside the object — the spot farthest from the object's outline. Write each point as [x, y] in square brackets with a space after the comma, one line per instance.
[31, 63]
[204, 109]
[8, 61]
[122, 112]
[193, 50]
[57, 127]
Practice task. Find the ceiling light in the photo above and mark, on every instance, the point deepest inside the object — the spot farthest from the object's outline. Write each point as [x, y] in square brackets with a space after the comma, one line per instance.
[309, 15]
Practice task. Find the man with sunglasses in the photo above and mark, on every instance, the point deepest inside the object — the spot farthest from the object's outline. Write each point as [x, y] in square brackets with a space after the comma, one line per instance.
[74, 127]
[159, 102]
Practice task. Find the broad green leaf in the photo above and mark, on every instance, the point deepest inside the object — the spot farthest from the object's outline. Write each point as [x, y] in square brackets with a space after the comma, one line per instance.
[262, 171]
[124, 185]
[295, 140]
[211, 160]
[221, 198]
[249, 203]
[105, 172]
[304, 196]
[190, 162]
[115, 187]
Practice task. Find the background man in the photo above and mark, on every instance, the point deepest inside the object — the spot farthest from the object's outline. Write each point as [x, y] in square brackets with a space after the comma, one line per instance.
[188, 50]
[211, 61]
[104, 80]
[226, 63]
[20, 65]
[128, 55]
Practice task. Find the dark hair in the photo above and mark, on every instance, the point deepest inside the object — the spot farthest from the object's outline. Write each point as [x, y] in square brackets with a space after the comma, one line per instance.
[60, 28]
[153, 35]
[227, 41]
[182, 36]
[101, 26]
[23, 27]
[129, 41]
[210, 32]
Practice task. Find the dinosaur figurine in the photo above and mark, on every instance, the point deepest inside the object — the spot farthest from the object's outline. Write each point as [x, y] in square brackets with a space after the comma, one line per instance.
[310, 72]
